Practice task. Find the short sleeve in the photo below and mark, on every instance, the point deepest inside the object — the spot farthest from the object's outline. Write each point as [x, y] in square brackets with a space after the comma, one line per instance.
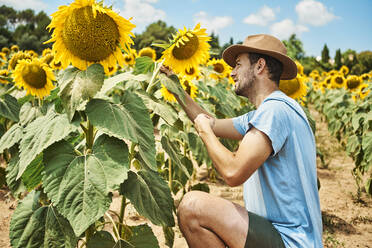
[241, 122]
[272, 119]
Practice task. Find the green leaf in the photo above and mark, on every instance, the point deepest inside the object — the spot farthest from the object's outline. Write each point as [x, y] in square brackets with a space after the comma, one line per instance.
[32, 175]
[367, 147]
[111, 82]
[168, 235]
[150, 195]
[79, 186]
[9, 108]
[77, 87]
[11, 174]
[28, 113]
[356, 120]
[40, 134]
[34, 226]
[129, 120]
[201, 187]
[159, 107]
[172, 83]
[143, 65]
[101, 239]
[143, 237]
[174, 155]
[11, 137]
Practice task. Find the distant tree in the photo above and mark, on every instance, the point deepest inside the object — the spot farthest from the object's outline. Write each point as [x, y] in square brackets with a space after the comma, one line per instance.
[365, 59]
[325, 54]
[157, 32]
[294, 47]
[349, 58]
[338, 63]
[226, 45]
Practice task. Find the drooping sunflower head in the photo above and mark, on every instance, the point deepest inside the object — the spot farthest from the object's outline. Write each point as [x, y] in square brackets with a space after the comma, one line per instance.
[5, 50]
[338, 81]
[32, 53]
[295, 88]
[220, 67]
[147, 51]
[189, 48]
[47, 58]
[167, 95]
[34, 76]
[4, 73]
[353, 82]
[190, 73]
[14, 48]
[189, 87]
[3, 59]
[15, 58]
[130, 58]
[56, 65]
[86, 32]
[344, 70]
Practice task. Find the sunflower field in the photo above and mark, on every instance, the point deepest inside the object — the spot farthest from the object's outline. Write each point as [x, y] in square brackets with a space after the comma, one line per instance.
[93, 117]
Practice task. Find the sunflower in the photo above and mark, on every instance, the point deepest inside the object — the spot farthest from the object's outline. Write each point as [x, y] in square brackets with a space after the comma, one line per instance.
[32, 53]
[86, 32]
[3, 59]
[221, 68]
[365, 76]
[353, 82]
[231, 81]
[130, 58]
[300, 68]
[14, 48]
[338, 81]
[189, 48]
[328, 82]
[4, 73]
[295, 88]
[47, 58]
[167, 95]
[344, 70]
[34, 76]
[147, 51]
[191, 73]
[56, 65]
[363, 90]
[332, 72]
[5, 50]
[15, 58]
[189, 87]
[46, 51]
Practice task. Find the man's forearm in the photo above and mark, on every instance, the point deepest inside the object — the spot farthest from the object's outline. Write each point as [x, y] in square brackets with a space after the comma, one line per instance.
[191, 108]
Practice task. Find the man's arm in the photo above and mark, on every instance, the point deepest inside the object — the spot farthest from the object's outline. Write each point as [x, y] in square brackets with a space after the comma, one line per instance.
[235, 168]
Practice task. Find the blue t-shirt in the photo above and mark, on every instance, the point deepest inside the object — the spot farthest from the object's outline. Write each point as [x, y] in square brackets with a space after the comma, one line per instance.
[284, 189]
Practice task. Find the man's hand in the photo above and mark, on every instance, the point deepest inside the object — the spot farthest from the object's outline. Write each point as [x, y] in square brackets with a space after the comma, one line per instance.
[166, 70]
[204, 123]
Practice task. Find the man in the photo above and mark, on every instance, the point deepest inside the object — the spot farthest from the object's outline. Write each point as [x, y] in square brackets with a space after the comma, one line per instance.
[276, 160]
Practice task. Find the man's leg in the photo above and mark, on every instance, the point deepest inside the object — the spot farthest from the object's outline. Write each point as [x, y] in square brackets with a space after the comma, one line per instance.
[209, 221]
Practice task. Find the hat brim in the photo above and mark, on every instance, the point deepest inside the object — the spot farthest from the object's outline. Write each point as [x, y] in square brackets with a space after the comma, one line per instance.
[289, 66]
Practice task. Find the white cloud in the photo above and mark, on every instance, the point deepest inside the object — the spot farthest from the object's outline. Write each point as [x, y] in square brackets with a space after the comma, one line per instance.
[314, 13]
[285, 28]
[212, 24]
[142, 11]
[25, 4]
[262, 18]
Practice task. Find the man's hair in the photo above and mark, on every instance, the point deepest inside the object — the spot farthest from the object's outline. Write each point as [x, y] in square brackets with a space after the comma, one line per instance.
[274, 66]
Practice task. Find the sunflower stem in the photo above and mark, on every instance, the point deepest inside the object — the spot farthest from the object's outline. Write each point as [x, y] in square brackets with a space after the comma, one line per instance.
[122, 212]
[170, 174]
[154, 75]
[90, 135]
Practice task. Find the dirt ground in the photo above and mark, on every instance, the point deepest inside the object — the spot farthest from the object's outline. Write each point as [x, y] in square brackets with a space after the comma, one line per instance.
[347, 219]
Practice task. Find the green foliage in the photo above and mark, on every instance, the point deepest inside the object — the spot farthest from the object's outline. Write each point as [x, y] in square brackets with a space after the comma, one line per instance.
[338, 62]
[365, 59]
[325, 54]
[294, 47]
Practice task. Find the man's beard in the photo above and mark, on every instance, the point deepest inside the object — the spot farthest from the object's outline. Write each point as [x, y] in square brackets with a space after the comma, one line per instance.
[244, 87]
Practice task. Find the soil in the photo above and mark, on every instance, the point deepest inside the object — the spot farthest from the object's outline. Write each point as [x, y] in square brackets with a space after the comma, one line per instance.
[347, 217]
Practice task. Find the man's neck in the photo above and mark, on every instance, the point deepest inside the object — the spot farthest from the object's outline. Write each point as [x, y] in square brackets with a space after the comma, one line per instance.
[261, 91]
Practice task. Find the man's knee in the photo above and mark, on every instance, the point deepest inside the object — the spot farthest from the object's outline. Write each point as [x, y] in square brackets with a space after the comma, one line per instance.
[191, 205]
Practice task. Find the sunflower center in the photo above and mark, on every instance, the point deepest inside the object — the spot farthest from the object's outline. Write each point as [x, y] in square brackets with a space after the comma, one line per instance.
[127, 58]
[190, 71]
[35, 76]
[218, 68]
[352, 84]
[188, 87]
[339, 80]
[91, 39]
[187, 50]
[147, 54]
[290, 86]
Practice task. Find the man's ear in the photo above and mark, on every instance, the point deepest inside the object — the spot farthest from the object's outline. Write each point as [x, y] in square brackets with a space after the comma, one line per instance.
[261, 65]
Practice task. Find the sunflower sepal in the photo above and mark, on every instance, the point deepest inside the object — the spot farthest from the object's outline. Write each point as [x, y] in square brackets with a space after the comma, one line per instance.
[164, 46]
[78, 87]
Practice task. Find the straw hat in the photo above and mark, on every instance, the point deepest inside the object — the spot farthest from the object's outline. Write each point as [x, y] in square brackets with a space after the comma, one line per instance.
[264, 44]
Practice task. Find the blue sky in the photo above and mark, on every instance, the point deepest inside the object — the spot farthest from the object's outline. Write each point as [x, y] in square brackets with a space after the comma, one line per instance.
[338, 23]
